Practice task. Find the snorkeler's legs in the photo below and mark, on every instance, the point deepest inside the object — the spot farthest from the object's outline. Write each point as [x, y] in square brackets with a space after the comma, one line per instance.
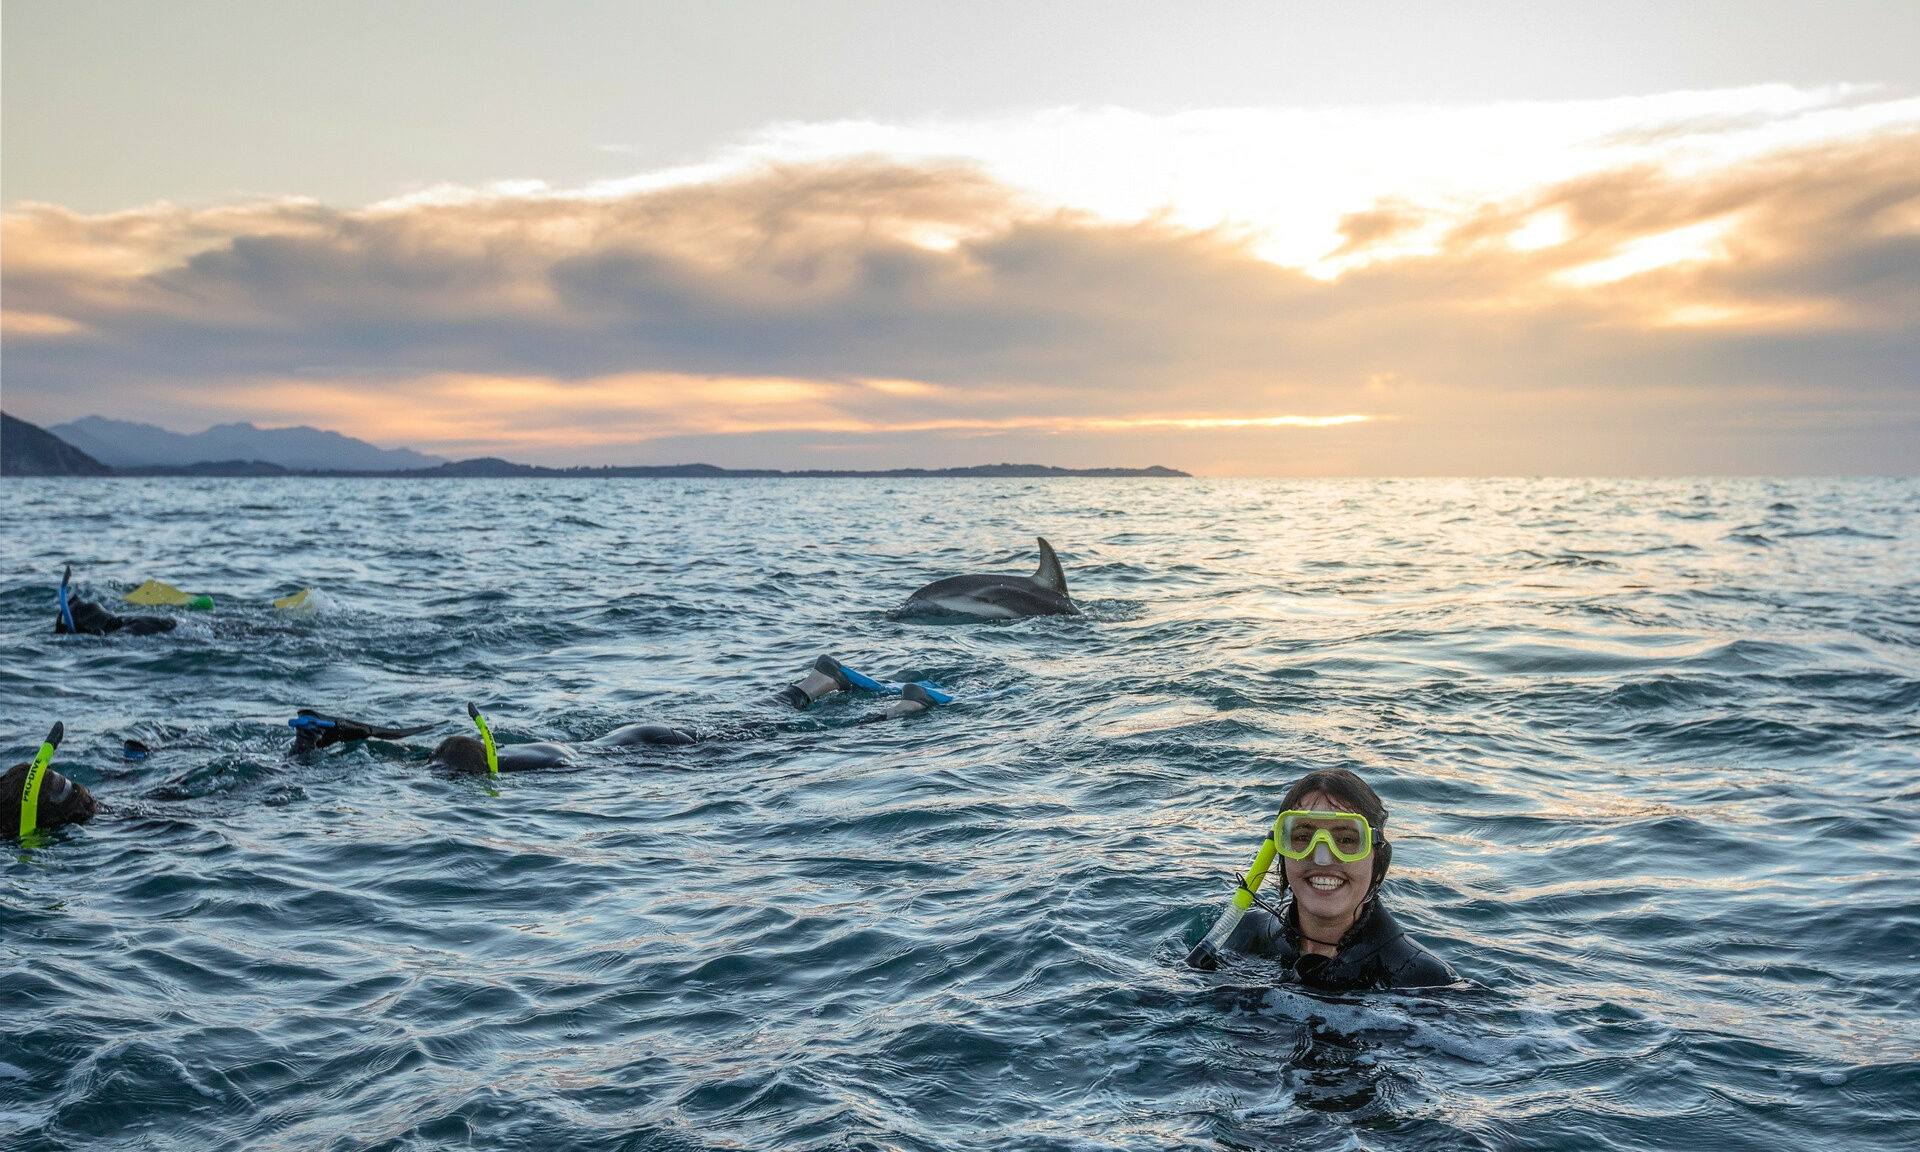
[826, 678]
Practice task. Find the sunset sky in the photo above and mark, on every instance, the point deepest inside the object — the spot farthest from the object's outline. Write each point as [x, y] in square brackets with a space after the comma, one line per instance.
[1241, 239]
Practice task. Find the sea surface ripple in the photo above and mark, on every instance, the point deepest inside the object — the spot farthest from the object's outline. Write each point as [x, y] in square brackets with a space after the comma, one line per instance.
[1650, 747]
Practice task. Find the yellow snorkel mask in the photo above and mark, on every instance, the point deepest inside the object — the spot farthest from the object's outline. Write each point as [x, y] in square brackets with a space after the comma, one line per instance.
[1347, 835]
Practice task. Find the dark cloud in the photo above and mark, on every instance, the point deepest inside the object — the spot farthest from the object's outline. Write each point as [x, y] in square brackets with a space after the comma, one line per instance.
[1362, 230]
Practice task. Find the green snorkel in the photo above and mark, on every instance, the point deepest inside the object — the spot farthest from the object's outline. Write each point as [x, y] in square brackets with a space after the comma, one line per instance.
[493, 757]
[1206, 954]
[30, 794]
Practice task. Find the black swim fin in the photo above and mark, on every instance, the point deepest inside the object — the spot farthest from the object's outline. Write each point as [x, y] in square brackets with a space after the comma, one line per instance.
[318, 730]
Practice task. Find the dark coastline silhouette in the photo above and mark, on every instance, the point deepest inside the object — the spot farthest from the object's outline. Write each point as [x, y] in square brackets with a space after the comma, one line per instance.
[41, 453]
[29, 450]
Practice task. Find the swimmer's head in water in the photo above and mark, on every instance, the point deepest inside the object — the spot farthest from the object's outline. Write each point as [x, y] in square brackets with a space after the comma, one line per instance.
[62, 801]
[1347, 793]
[461, 754]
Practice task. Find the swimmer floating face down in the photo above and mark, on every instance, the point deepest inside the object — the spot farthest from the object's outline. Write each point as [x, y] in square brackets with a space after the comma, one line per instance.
[78, 616]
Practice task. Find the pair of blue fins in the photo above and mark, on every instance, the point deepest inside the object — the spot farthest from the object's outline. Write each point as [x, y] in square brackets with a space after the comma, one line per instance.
[830, 676]
[918, 691]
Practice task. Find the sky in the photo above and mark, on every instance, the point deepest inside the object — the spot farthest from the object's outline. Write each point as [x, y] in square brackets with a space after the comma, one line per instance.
[1275, 239]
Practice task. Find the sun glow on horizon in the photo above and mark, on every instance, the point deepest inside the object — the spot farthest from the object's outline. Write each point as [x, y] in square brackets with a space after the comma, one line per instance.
[488, 414]
[1231, 422]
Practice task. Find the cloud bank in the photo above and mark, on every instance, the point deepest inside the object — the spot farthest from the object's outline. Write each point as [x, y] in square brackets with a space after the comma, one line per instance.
[1708, 282]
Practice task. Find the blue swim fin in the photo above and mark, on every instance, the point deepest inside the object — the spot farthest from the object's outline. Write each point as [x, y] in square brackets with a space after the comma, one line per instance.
[848, 679]
[66, 613]
[934, 693]
[868, 683]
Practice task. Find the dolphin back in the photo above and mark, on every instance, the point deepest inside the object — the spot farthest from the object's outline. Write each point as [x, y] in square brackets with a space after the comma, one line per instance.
[985, 597]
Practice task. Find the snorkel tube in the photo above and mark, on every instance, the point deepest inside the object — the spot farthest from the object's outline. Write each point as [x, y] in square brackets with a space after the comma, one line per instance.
[66, 613]
[30, 793]
[493, 757]
[1206, 954]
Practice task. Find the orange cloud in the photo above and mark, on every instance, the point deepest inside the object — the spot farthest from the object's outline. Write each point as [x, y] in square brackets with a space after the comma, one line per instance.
[1622, 315]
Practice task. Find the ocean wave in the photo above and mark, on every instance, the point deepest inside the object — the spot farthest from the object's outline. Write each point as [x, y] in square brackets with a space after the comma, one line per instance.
[1649, 749]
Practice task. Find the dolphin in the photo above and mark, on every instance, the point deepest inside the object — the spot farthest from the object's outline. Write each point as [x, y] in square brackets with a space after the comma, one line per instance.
[983, 597]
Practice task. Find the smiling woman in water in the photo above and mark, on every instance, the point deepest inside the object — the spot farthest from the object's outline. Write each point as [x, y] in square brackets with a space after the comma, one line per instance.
[1334, 933]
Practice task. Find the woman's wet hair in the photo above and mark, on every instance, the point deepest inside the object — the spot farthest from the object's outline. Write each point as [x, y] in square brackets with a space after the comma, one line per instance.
[1352, 792]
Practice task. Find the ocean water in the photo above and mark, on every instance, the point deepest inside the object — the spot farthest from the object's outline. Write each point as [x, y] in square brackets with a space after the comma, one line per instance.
[1652, 751]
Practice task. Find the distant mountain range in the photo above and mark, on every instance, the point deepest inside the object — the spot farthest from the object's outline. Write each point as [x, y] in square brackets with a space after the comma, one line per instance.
[493, 466]
[29, 450]
[123, 444]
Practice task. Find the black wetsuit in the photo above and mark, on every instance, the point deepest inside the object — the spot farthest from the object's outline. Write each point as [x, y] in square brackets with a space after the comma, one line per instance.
[1375, 953]
[94, 620]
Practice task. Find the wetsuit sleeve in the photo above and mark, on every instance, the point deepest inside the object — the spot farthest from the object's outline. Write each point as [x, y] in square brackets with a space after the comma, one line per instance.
[1257, 934]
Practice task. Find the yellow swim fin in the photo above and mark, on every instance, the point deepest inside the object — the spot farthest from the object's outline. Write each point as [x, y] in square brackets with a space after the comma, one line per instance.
[295, 602]
[155, 592]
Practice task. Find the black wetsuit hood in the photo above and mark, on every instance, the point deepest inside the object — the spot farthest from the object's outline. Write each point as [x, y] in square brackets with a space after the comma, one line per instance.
[62, 800]
[92, 620]
[1375, 953]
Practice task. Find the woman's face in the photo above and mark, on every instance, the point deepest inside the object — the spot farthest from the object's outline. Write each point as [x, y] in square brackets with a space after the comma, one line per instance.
[1331, 890]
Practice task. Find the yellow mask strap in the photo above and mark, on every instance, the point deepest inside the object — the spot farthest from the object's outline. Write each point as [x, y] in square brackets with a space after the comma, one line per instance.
[493, 758]
[30, 793]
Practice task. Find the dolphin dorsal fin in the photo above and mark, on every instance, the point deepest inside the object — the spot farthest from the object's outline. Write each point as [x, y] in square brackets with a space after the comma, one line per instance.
[1049, 575]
